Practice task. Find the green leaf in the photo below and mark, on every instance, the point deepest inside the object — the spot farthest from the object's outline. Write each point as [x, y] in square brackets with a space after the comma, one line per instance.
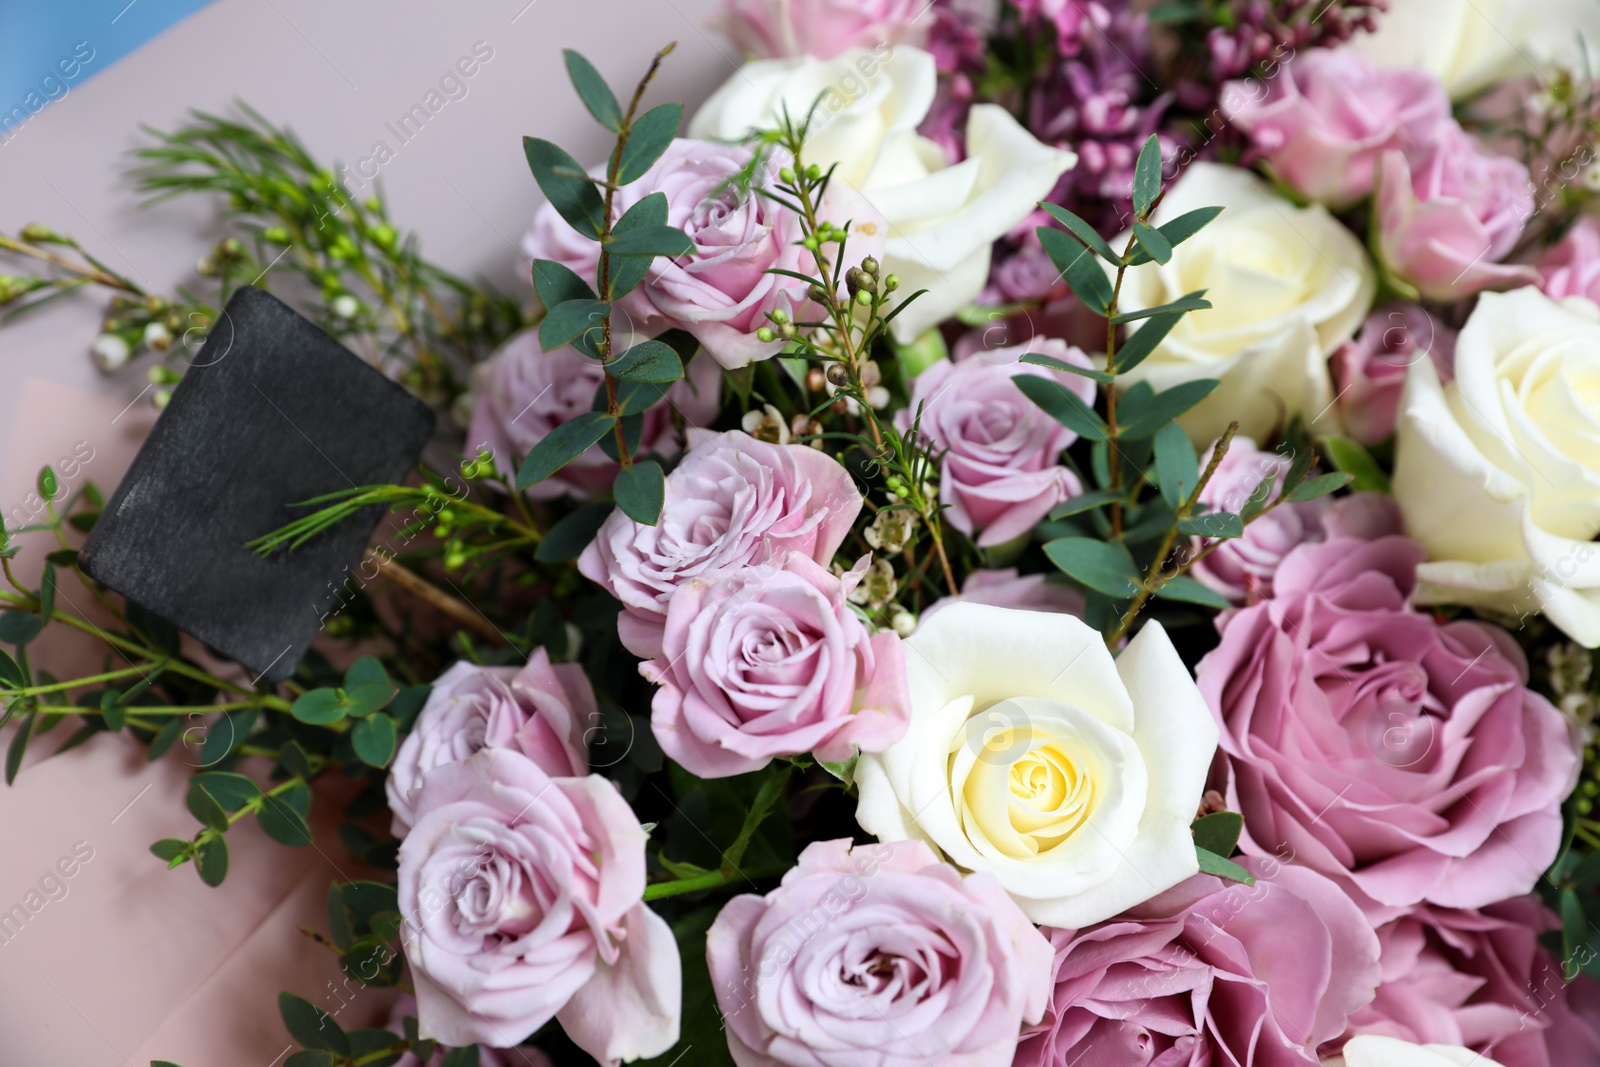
[628, 271]
[232, 791]
[226, 734]
[567, 186]
[1071, 368]
[556, 284]
[211, 860]
[318, 707]
[593, 91]
[1178, 231]
[1320, 486]
[1218, 832]
[647, 361]
[63, 557]
[568, 538]
[1574, 931]
[10, 673]
[312, 1028]
[112, 712]
[1149, 417]
[169, 849]
[1147, 176]
[365, 699]
[19, 627]
[1100, 565]
[1079, 267]
[1154, 245]
[164, 739]
[639, 491]
[1193, 302]
[374, 740]
[563, 445]
[648, 137]
[462, 1057]
[1095, 498]
[19, 747]
[1143, 341]
[408, 705]
[651, 241]
[1349, 456]
[366, 899]
[310, 1057]
[566, 322]
[1187, 590]
[1063, 405]
[281, 822]
[1226, 869]
[206, 808]
[1212, 524]
[634, 398]
[1176, 11]
[47, 483]
[364, 670]
[47, 591]
[1177, 466]
[1083, 232]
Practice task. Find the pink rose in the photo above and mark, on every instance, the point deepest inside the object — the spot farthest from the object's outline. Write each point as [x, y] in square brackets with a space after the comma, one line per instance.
[1370, 370]
[1007, 589]
[523, 902]
[876, 956]
[732, 502]
[542, 710]
[524, 392]
[1000, 472]
[1210, 973]
[1242, 568]
[771, 661]
[1571, 267]
[722, 291]
[779, 29]
[523, 1056]
[1322, 124]
[1482, 980]
[1404, 758]
[1449, 213]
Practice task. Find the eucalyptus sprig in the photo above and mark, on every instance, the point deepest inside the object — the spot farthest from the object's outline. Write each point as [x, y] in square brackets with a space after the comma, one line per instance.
[1122, 559]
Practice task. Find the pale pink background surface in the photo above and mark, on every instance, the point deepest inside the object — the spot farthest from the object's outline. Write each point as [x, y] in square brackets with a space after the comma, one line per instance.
[136, 962]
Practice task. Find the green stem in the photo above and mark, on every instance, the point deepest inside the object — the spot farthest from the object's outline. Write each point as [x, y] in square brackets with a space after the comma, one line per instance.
[78, 683]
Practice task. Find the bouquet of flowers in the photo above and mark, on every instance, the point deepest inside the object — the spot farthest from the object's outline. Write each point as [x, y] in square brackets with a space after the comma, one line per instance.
[1053, 534]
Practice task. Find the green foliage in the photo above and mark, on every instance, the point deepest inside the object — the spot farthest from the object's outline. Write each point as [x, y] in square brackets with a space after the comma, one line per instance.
[1226, 869]
[639, 490]
[1218, 832]
[563, 445]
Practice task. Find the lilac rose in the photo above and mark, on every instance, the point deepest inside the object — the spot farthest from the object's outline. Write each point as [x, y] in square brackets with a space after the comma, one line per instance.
[1242, 568]
[1323, 122]
[780, 29]
[523, 901]
[771, 661]
[1000, 470]
[1370, 370]
[523, 392]
[522, 1056]
[722, 291]
[1571, 267]
[1208, 974]
[1449, 213]
[876, 956]
[1480, 979]
[542, 710]
[733, 501]
[1405, 758]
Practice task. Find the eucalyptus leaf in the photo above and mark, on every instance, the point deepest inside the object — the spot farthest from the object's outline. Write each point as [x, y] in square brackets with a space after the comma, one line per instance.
[567, 321]
[563, 445]
[593, 91]
[281, 822]
[1063, 405]
[1083, 232]
[313, 1028]
[568, 538]
[1187, 590]
[648, 137]
[566, 185]
[1145, 419]
[1105, 566]
[374, 740]
[205, 807]
[1143, 341]
[1348, 455]
[1153, 243]
[628, 271]
[1193, 302]
[1038, 360]
[1079, 267]
[1095, 498]
[1226, 869]
[1147, 176]
[639, 491]
[1218, 833]
[1177, 466]
[19, 627]
[1213, 524]
[651, 241]
[647, 361]
[211, 860]
[369, 697]
[1320, 486]
[318, 707]
[557, 284]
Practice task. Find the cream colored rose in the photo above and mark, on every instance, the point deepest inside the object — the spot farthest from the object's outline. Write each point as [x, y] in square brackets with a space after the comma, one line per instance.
[1498, 472]
[1469, 44]
[942, 218]
[1287, 285]
[1372, 1050]
[1033, 755]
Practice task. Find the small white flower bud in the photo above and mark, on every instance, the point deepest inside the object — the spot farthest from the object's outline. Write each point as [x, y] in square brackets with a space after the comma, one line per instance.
[157, 337]
[110, 352]
[346, 306]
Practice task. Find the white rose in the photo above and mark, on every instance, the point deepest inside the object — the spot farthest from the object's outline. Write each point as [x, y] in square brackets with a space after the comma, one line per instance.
[1372, 1050]
[1498, 472]
[1033, 755]
[1287, 285]
[1469, 44]
[942, 218]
